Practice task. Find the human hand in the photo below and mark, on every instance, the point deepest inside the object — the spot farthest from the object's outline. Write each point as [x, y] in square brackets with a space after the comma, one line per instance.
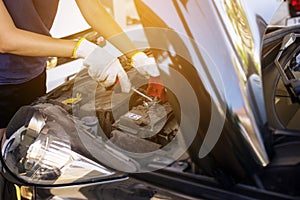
[102, 66]
[145, 65]
[110, 74]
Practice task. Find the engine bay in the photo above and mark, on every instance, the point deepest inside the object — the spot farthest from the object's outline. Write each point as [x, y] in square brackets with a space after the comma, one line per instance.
[140, 126]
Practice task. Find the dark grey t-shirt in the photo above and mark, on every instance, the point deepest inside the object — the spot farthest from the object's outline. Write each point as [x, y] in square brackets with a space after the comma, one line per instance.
[35, 16]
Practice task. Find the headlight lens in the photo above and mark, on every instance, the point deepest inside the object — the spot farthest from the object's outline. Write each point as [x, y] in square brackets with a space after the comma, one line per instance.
[37, 154]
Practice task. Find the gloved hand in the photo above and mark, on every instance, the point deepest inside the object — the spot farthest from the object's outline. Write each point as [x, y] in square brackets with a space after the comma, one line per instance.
[145, 65]
[102, 66]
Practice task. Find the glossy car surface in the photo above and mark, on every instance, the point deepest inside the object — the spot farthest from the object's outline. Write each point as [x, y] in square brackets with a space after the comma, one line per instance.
[213, 143]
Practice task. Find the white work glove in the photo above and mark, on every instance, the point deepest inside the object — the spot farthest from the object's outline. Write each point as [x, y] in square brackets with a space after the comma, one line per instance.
[145, 65]
[102, 66]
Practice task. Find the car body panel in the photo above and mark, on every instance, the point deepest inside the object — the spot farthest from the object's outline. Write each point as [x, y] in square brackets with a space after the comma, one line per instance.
[235, 59]
[220, 43]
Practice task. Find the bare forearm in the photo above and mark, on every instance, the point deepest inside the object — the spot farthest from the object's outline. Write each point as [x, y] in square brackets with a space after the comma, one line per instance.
[21, 42]
[26, 43]
[97, 16]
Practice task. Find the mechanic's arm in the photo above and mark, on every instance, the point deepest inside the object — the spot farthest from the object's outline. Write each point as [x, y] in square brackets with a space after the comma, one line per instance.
[101, 21]
[97, 17]
[20, 42]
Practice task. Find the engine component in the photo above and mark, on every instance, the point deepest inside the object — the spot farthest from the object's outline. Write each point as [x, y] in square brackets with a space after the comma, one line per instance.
[145, 120]
[133, 143]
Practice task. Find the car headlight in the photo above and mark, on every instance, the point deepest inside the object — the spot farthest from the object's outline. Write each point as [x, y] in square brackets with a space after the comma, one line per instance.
[40, 152]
